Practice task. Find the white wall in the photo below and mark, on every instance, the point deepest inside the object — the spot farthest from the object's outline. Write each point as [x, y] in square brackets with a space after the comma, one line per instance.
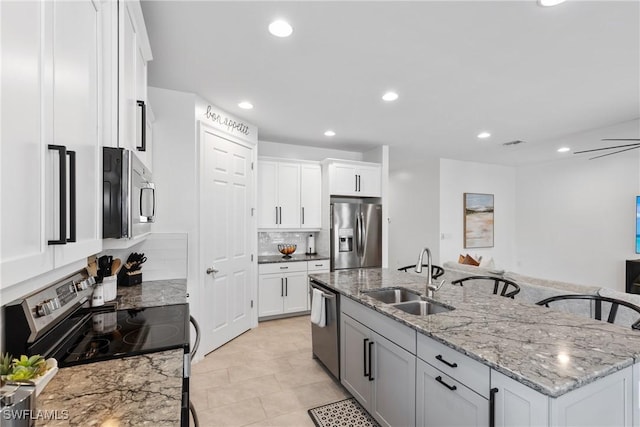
[576, 219]
[302, 152]
[457, 178]
[414, 208]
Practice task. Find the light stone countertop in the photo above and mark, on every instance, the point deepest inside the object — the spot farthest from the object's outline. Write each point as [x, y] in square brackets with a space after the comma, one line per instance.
[550, 351]
[133, 391]
[152, 293]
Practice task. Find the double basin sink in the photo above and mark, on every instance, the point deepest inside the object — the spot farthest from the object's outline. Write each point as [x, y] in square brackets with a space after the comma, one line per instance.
[407, 301]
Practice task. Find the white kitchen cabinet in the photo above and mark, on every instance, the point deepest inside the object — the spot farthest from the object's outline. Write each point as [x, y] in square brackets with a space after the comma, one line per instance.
[378, 373]
[127, 53]
[605, 402]
[278, 195]
[442, 401]
[282, 288]
[50, 96]
[358, 179]
[311, 196]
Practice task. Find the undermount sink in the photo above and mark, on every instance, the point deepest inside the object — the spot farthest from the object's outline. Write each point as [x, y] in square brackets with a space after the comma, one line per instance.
[392, 296]
[422, 308]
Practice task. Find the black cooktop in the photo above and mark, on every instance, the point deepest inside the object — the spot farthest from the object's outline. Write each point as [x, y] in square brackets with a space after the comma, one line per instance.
[114, 334]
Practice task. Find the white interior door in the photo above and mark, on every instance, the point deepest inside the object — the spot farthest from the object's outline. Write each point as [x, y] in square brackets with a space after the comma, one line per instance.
[226, 236]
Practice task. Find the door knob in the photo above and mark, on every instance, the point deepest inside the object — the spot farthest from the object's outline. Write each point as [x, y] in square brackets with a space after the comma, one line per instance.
[211, 270]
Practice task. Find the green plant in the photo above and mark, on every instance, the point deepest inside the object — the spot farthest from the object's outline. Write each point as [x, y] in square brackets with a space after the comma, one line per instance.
[22, 369]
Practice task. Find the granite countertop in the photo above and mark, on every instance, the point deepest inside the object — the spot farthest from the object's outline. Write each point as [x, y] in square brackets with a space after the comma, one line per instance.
[550, 351]
[152, 293]
[270, 259]
[133, 391]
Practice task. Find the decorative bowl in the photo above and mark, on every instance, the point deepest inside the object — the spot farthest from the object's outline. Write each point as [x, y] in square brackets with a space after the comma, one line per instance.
[287, 249]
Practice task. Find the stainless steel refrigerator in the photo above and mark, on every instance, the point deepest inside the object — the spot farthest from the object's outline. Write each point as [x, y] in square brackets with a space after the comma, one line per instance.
[356, 235]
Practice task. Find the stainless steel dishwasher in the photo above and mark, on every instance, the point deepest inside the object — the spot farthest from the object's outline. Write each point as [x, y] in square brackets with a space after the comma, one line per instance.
[326, 340]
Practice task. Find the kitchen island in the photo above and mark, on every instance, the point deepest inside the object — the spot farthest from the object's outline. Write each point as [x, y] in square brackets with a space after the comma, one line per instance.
[144, 389]
[549, 352]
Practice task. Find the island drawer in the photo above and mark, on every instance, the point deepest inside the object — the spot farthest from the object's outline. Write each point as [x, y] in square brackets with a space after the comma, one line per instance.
[282, 267]
[467, 371]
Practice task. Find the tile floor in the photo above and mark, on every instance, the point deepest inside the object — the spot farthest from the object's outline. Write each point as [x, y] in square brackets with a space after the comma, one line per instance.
[265, 377]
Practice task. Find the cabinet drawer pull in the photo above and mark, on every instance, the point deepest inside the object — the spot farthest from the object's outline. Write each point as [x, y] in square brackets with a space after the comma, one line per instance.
[492, 407]
[319, 265]
[283, 268]
[450, 387]
[451, 365]
[364, 354]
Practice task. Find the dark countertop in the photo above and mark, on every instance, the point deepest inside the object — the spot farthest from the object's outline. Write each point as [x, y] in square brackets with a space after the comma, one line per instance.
[550, 351]
[270, 259]
[132, 391]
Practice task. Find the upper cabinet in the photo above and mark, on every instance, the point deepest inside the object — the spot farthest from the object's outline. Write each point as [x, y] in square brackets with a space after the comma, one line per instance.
[50, 172]
[358, 179]
[126, 82]
[289, 195]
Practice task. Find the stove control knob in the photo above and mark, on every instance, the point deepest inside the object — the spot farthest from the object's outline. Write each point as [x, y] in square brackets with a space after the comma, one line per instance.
[42, 309]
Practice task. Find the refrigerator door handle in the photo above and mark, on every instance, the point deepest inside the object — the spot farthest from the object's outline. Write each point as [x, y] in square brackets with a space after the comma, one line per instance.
[357, 243]
[363, 230]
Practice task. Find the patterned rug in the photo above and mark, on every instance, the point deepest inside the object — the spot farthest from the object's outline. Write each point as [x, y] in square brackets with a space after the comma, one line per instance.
[346, 413]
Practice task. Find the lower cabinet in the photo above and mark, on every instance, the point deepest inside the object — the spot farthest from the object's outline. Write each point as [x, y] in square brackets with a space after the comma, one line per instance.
[517, 404]
[378, 373]
[442, 401]
[282, 288]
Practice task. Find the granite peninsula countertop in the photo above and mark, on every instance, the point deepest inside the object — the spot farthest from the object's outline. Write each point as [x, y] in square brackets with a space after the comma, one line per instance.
[133, 391]
[550, 351]
[270, 259]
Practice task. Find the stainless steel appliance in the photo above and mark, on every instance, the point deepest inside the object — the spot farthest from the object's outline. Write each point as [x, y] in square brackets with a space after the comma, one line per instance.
[129, 199]
[326, 340]
[356, 235]
[18, 405]
[73, 333]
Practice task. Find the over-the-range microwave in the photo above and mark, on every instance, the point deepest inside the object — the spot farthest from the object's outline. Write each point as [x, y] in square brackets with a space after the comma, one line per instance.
[129, 197]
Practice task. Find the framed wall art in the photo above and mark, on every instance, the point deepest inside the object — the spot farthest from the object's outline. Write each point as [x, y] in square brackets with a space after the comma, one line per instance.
[478, 220]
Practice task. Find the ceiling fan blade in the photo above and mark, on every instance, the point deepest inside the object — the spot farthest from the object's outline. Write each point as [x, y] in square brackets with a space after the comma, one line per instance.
[620, 139]
[615, 152]
[608, 148]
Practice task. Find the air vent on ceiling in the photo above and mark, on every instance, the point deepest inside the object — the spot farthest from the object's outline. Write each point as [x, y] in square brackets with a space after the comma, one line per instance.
[511, 143]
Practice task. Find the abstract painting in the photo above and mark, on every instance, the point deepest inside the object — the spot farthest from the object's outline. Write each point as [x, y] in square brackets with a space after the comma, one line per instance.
[478, 220]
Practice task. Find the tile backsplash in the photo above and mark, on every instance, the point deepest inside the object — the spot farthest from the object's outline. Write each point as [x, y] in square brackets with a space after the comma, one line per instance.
[268, 241]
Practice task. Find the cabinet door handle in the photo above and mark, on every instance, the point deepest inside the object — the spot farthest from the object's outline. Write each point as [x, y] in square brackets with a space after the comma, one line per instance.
[286, 286]
[370, 357]
[72, 197]
[359, 183]
[276, 215]
[492, 407]
[356, 182]
[281, 287]
[364, 353]
[62, 161]
[280, 212]
[451, 365]
[302, 215]
[450, 387]
[143, 133]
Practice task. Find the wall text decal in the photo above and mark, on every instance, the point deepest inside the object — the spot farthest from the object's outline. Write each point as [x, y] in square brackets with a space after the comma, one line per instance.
[231, 125]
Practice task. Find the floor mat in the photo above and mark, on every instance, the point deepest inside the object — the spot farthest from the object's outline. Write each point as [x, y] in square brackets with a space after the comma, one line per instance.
[346, 413]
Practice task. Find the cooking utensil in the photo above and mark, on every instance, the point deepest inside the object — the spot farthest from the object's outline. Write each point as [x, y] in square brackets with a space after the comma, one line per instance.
[115, 266]
[104, 262]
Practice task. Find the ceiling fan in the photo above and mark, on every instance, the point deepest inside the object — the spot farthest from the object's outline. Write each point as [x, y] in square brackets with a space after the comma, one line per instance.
[624, 147]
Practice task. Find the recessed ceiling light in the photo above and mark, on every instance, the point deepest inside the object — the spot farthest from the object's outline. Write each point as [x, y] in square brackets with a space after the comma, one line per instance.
[329, 133]
[549, 3]
[563, 149]
[484, 135]
[390, 96]
[280, 28]
[245, 105]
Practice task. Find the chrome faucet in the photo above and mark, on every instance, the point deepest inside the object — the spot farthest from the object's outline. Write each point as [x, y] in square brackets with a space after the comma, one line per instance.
[431, 288]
